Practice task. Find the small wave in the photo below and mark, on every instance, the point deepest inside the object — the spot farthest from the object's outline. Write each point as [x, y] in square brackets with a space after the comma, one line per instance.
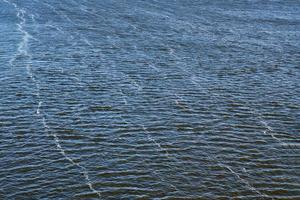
[23, 50]
[224, 166]
[62, 151]
[243, 180]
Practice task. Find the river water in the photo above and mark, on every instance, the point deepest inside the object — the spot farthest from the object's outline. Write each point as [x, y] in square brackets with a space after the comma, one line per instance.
[135, 99]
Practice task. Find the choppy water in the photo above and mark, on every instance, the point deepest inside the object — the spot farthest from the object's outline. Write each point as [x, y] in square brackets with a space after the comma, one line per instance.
[135, 99]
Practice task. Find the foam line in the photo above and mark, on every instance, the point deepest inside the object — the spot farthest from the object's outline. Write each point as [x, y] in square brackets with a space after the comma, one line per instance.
[172, 53]
[227, 167]
[186, 107]
[38, 109]
[268, 131]
[23, 50]
[84, 171]
[160, 147]
[150, 138]
[243, 180]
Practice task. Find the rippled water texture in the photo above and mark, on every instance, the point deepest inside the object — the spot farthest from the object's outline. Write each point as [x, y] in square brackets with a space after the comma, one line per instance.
[135, 99]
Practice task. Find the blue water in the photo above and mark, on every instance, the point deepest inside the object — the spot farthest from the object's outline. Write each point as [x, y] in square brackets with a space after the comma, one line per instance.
[133, 99]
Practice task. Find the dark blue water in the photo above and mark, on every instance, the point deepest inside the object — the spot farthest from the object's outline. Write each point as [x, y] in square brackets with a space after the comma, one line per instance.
[132, 99]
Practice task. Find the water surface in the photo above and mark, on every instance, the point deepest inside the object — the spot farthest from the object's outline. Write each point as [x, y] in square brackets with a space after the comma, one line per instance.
[149, 99]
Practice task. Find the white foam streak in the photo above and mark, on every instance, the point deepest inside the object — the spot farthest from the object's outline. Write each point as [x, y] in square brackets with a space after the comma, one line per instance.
[155, 142]
[224, 166]
[38, 109]
[269, 131]
[73, 162]
[23, 51]
[195, 80]
[179, 99]
[155, 68]
[150, 138]
[243, 180]
[59, 13]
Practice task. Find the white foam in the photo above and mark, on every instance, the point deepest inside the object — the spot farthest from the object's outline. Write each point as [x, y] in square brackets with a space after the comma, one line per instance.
[155, 142]
[123, 97]
[136, 84]
[73, 162]
[243, 180]
[155, 68]
[23, 50]
[247, 183]
[231, 170]
[88, 42]
[59, 13]
[132, 82]
[195, 80]
[268, 129]
[160, 148]
[54, 27]
[38, 109]
[21, 46]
